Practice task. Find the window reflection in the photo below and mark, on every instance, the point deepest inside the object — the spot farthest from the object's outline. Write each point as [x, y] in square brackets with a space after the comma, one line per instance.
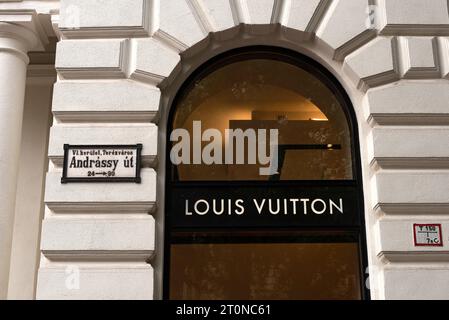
[259, 271]
[269, 94]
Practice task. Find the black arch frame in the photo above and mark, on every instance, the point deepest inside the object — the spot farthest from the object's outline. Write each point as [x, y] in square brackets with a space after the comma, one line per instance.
[326, 77]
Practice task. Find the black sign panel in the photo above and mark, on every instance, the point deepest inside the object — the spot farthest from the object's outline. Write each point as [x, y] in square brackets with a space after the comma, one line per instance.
[263, 206]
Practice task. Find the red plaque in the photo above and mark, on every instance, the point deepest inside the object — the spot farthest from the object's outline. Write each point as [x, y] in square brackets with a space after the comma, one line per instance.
[427, 235]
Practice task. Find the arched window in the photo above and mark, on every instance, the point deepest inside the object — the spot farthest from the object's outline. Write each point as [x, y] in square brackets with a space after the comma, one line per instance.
[263, 193]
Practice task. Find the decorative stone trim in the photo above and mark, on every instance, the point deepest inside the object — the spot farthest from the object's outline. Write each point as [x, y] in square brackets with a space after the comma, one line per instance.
[102, 59]
[79, 18]
[384, 68]
[344, 27]
[98, 239]
[407, 103]
[419, 57]
[411, 192]
[24, 26]
[124, 102]
[101, 197]
[100, 281]
[417, 148]
[443, 45]
[419, 18]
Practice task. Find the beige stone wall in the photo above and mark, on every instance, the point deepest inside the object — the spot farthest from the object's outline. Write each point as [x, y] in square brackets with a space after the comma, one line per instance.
[119, 64]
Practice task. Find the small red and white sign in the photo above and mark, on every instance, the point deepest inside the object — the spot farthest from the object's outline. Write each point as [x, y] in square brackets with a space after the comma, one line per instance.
[427, 235]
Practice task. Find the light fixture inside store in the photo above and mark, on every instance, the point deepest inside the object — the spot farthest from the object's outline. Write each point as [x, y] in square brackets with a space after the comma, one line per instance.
[318, 119]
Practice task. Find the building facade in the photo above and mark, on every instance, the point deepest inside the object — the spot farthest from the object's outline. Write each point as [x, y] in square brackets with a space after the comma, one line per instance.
[121, 72]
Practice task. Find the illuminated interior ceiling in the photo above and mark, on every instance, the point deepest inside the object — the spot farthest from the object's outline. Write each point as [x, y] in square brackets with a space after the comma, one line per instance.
[266, 94]
[271, 103]
[257, 90]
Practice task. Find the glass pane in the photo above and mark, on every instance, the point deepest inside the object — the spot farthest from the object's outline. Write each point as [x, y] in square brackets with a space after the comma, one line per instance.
[265, 271]
[314, 136]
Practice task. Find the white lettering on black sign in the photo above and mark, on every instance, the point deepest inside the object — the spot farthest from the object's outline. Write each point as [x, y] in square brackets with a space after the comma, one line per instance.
[101, 163]
[249, 204]
[284, 206]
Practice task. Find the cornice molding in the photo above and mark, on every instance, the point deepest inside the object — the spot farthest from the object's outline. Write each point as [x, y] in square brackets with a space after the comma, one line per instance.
[25, 26]
[41, 71]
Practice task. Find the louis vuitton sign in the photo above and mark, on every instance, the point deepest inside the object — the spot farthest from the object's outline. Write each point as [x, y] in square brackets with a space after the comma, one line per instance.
[245, 204]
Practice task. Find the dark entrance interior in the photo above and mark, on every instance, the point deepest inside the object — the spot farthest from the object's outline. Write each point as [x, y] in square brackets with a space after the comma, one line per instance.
[296, 233]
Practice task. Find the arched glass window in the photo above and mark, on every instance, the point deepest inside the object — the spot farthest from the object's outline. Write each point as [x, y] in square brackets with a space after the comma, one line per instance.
[265, 93]
[236, 231]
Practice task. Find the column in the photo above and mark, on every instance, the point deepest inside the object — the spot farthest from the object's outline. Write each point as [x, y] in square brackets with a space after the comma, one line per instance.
[15, 41]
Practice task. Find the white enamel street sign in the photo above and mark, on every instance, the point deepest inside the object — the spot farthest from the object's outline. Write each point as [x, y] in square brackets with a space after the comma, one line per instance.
[101, 163]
